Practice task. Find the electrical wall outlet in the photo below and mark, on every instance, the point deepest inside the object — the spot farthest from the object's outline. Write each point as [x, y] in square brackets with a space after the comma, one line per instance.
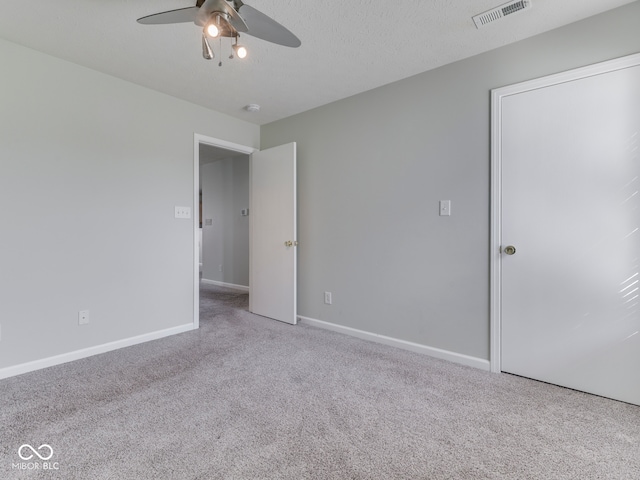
[327, 298]
[83, 317]
[220, 268]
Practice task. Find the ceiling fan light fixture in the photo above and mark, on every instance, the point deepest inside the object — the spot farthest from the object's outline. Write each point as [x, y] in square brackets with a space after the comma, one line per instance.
[228, 18]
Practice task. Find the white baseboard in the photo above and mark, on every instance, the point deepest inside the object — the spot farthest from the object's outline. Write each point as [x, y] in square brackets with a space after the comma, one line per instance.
[395, 342]
[88, 352]
[242, 288]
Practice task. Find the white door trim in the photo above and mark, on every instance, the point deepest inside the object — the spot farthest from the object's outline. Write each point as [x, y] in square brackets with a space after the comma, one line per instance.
[497, 95]
[214, 142]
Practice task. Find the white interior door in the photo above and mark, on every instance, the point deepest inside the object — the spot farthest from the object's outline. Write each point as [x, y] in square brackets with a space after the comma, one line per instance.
[273, 233]
[570, 206]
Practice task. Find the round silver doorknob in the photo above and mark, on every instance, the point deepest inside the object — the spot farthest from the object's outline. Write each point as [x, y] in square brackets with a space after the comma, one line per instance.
[510, 250]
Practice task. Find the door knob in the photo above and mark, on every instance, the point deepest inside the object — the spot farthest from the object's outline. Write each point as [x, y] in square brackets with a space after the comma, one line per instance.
[510, 250]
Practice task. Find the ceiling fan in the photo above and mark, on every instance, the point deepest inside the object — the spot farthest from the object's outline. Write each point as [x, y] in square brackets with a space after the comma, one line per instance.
[226, 18]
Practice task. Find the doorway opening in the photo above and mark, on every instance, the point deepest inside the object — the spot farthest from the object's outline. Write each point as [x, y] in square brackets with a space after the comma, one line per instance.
[224, 222]
[221, 229]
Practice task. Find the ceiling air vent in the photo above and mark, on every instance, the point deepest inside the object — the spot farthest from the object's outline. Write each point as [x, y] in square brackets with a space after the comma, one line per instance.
[500, 12]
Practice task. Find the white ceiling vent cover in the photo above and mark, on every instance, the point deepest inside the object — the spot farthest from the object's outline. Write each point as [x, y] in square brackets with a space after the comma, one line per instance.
[500, 12]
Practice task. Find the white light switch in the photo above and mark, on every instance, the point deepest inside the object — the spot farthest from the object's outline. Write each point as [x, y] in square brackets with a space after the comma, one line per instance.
[183, 212]
[445, 208]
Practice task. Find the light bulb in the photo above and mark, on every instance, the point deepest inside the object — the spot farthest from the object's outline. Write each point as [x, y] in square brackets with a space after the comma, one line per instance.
[241, 51]
[212, 30]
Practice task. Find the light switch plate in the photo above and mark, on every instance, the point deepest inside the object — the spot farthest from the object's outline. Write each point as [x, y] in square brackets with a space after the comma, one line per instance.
[183, 212]
[445, 208]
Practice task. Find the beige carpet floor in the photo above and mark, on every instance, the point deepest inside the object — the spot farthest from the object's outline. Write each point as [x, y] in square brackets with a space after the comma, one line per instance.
[245, 397]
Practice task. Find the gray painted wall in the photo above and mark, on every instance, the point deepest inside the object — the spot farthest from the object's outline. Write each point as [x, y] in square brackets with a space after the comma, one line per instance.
[225, 192]
[372, 168]
[91, 168]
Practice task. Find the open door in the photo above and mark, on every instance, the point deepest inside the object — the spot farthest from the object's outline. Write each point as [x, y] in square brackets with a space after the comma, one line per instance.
[273, 267]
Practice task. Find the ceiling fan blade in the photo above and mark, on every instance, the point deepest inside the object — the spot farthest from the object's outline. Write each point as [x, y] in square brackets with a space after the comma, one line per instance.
[210, 6]
[266, 28]
[172, 16]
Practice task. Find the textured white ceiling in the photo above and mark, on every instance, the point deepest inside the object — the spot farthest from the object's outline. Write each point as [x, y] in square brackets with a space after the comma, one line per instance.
[347, 46]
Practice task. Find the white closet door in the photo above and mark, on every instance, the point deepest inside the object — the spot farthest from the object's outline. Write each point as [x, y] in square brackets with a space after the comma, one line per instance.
[570, 308]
